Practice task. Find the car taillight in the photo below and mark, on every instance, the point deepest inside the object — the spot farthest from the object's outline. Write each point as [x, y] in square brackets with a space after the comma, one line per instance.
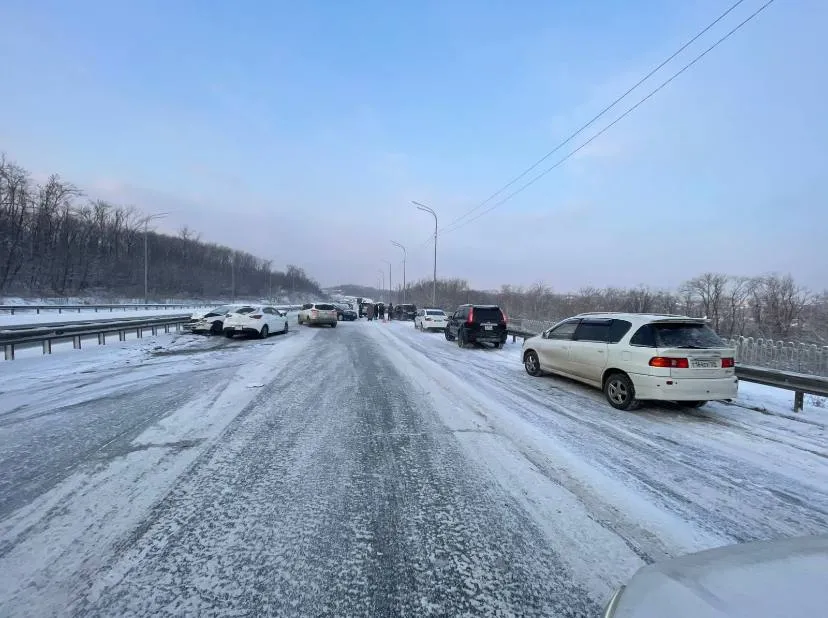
[728, 363]
[669, 362]
[257, 316]
[504, 319]
[471, 315]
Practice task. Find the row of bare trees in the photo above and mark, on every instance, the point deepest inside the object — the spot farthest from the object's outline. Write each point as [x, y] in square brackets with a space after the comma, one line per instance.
[770, 306]
[53, 242]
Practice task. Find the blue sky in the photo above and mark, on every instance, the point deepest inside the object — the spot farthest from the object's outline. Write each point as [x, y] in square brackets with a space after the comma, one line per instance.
[300, 131]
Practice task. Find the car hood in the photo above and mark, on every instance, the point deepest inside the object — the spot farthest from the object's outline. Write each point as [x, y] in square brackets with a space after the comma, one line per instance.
[198, 315]
[758, 580]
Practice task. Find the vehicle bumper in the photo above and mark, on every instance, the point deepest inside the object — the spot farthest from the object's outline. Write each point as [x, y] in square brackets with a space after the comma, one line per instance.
[435, 325]
[244, 330]
[684, 389]
[320, 320]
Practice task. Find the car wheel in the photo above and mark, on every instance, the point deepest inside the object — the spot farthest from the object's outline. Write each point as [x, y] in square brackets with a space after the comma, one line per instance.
[339, 317]
[333, 324]
[285, 330]
[532, 363]
[461, 338]
[498, 346]
[299, 320]
[449, 336]
[692, 404]
[216, 329]
[620, 392]
[228, 334]
[264, 332]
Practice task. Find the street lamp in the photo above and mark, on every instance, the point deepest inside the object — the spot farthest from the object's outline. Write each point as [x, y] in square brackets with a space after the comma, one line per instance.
[396, 244]
[430, 210]
[147, 219]
[382, 289]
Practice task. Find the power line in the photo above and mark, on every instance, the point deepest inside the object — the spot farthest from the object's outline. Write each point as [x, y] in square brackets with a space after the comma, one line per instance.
[652, 93]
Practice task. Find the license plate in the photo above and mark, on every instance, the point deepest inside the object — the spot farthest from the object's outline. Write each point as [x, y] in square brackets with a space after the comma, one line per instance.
[488, 327]
[705, 364]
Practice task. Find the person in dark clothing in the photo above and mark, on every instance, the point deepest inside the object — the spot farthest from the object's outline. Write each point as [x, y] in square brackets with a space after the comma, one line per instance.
[390, 312]
[369, 312]
[381, 311]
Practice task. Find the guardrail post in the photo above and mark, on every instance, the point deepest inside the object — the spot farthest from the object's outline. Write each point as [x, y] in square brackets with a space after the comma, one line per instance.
[139, 332]
[76, 342]
[101, 338]
[8, 351]
[166, 328]
[799, 401]
[154, 330]
[121, 335]
[60, 310]
[47, 346]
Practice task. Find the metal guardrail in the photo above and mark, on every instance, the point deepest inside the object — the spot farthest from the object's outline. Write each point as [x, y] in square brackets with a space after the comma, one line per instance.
[46, 334]
[799, 383]
[97, 308]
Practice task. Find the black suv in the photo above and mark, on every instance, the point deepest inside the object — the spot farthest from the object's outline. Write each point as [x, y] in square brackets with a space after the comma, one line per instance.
[477, 324]
[405, 312]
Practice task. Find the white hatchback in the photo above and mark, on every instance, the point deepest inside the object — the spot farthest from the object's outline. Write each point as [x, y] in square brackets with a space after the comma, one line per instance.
[431, 319]
[634, 357]
[259, 320]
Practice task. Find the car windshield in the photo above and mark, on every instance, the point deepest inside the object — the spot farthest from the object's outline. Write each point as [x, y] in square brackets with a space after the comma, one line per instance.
[686, 335]
[244, 310]
[435, 312]
[323, 307]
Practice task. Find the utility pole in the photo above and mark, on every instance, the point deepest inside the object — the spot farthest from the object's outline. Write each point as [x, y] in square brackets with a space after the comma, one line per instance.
[396, 244]
[160, 215]
[389, 280]
[430, 210]
[233, 277]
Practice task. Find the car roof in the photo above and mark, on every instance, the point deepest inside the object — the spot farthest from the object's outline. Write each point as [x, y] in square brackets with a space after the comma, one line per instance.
[639, 318]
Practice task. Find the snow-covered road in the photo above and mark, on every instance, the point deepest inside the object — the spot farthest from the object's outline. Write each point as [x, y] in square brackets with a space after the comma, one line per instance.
[365, 470]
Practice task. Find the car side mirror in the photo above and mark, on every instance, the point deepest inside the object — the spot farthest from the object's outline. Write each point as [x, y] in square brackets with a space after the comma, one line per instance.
[283, 313]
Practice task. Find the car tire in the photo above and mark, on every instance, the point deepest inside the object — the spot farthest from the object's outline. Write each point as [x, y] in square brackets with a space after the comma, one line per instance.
[333, 324]
[264, 332]
[229, 334]
[498, 346]
[216, 328]
[461, 338]
[531, 363]
[299, 320]
[692, 404]
[620, 392]
[339, 318]
[449, 336]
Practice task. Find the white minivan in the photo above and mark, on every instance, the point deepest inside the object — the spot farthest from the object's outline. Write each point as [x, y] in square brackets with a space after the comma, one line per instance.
[634, 357]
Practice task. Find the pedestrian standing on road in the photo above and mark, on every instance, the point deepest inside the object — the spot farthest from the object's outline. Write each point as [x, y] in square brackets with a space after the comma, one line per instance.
[369, 311]
[390, 311]
[381, 311]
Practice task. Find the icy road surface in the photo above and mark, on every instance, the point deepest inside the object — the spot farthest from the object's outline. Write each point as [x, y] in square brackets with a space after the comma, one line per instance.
[367, 470]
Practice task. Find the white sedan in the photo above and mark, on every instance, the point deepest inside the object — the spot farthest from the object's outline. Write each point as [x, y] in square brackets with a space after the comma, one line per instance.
[259, 320]
[430, 319]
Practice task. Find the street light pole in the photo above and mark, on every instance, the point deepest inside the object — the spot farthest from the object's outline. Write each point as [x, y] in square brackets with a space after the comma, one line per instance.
[430, 210]
[382, 289]
[147, 219]
[396, 244]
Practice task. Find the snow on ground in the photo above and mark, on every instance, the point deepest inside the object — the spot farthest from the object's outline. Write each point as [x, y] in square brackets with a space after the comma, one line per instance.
[365, 470]
[66, 317]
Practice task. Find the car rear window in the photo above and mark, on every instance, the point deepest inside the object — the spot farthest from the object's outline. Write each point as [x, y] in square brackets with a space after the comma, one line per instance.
[434, 312]
[245, 310]
[487, 314]
[323, 307]
[691, 335]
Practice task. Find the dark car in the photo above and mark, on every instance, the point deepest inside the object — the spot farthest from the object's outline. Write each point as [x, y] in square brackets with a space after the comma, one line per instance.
[405, 312]
[344, 313]
[477, 324]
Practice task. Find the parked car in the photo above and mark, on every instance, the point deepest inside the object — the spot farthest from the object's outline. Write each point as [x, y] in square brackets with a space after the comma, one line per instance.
[259, 320]
[405, 312]
[209, 320]
[431, 319]
[344, 313]
[634, 357]
[363, 306]
[477, 324]
[318, 313]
